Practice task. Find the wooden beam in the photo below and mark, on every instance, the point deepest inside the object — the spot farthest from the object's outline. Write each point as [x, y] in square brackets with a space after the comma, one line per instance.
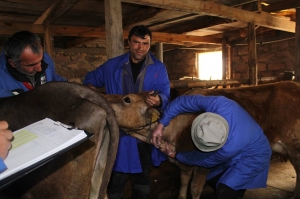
[137, 17]
[282, 5]
[113, 26]
[182, 39]
[159, 51]
[47, 13]
[297, 46]
[62, 8]
[201, 7]
[7, 28]
[48, 44]
[206, 83]
[252, 59]
[224, 58]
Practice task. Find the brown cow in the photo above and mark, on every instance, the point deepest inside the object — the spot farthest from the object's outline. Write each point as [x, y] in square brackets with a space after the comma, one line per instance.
[274, 106]
[82, 172]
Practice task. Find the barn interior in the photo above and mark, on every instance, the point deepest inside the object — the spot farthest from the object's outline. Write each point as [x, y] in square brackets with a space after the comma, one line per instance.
[258, 43]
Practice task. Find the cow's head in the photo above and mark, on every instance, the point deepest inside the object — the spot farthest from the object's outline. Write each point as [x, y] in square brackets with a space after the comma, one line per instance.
[132, 112]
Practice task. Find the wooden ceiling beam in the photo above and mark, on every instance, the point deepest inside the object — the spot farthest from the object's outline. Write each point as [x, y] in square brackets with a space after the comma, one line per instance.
[62, 8]
[7, 28]
[200, 7]
[282, 5]
[47, 13]
[137, 17]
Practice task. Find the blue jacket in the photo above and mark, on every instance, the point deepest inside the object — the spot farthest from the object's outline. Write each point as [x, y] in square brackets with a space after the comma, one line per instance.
[8, 83]
[246, 154]
[115, 75]
[2, 165]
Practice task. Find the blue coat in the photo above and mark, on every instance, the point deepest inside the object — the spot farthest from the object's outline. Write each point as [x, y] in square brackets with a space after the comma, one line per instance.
[245, 157]
[8, 83]
[2, 165]
[115, 75]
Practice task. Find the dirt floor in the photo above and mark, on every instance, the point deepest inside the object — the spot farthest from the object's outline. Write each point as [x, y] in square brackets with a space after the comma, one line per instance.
[280, 185]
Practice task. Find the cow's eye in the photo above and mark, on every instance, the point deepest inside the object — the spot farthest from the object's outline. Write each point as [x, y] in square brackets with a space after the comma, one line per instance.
[127, 99]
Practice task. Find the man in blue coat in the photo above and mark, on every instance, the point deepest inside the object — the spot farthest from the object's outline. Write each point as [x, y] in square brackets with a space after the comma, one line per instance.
[231, 144]
[24, 65]
[5, 143]
[133, 72]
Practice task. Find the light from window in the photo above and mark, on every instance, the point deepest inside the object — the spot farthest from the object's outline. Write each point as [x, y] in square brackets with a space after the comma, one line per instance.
[210, 65]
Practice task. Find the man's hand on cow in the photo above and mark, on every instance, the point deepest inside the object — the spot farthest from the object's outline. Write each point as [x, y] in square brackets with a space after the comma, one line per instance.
[156, 135]
[165, 148]
[91, 86]
[5, 139]
[153, 99]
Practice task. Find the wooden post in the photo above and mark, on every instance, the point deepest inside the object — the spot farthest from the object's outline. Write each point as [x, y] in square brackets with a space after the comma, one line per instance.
[48, 44]
[113, 28]
[224, 58]
[252, 60]
[159, 52]
[297, 46]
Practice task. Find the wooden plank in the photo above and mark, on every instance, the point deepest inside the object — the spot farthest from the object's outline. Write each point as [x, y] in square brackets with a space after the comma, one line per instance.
[297, 46]
[8, 28]
[205, 7]
[282, 5]
[206, 83]
[252, 59]
[48, 46]
[63, 7]
[47, 13]
[181, 39]
[159, 51]
[113, 26]
[224, 58]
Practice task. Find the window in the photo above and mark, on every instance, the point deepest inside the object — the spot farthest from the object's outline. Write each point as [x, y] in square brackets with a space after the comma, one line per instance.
[210, 65]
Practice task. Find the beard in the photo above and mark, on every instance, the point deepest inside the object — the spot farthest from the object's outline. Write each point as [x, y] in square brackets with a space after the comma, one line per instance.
[21, 70]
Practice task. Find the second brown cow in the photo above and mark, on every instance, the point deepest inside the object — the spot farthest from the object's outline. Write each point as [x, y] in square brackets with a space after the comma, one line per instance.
[274, 106]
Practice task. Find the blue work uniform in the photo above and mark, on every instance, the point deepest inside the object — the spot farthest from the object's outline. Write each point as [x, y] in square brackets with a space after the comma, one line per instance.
[244, 158]
[8, 83]
[116, 76]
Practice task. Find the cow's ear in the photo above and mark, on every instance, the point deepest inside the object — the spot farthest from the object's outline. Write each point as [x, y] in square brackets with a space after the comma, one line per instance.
[153, 114]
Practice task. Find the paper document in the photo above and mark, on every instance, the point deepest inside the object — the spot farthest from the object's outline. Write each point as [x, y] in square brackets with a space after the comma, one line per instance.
[38, 141]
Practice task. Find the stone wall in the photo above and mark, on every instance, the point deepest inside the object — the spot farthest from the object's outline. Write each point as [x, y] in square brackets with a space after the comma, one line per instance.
[76, 62]
[273, 59]
[181, 63]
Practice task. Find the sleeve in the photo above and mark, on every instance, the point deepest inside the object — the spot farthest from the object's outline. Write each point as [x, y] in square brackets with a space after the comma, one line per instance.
[186, 104]
[164, 87]
[2, 165]
[95, 77]
[205, 159]
[5, 93]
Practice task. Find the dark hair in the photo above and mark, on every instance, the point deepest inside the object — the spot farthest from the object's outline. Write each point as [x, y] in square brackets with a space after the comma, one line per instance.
[140, 31]
[16, 44]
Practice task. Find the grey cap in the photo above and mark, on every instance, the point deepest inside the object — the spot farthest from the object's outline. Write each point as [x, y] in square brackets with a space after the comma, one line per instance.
[209, 131]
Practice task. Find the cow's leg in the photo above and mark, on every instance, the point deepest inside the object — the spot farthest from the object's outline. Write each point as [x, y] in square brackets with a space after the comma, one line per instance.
[198, 181]
[185, 176]
[295, 160]
[292, 141]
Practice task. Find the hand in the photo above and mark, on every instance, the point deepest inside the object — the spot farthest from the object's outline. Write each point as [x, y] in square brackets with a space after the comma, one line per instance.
[91, 86]
[156, 135]
[165, 148]
[153, 100]
[5, 139]
[76, 80]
